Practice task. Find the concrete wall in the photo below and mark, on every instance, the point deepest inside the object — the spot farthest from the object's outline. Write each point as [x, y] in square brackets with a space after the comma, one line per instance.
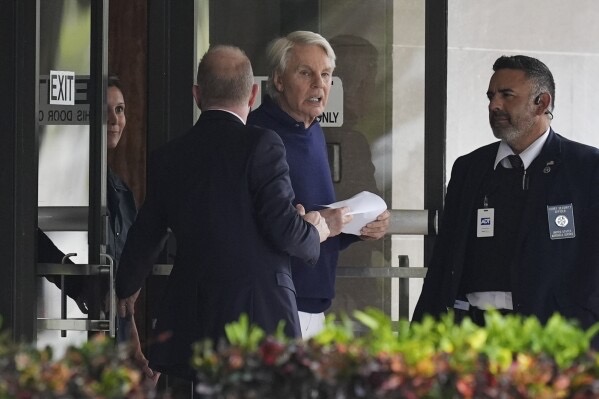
[561, 34]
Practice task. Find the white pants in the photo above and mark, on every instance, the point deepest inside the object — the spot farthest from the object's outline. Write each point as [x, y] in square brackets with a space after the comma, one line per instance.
[311, 323]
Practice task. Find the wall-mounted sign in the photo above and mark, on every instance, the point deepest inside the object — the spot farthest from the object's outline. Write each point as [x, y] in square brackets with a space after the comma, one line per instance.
[333, 114]
[61, 88]
[63, 99]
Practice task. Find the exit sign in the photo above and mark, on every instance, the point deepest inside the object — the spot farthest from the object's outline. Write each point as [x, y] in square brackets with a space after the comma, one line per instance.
[61, 88]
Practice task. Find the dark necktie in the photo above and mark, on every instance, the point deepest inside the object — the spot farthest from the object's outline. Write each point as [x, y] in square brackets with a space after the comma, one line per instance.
[518, 165]
[515, 161]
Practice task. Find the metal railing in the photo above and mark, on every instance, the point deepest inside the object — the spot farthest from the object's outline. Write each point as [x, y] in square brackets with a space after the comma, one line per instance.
[405, 222]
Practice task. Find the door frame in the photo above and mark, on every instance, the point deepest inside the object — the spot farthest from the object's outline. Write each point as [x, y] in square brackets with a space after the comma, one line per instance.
[170, 29]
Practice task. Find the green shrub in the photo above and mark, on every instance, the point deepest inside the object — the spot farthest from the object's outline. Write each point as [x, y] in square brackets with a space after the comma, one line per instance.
[512, 357]
[96, 369]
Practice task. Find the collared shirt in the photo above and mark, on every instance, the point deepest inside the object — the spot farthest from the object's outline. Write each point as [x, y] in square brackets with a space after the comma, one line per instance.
[226, 110]
[527, 156]
[500, 299]
[491, 299]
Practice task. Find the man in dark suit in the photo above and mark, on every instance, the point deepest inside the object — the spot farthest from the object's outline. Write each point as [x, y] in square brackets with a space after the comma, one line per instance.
[519, 235]
[224, 191]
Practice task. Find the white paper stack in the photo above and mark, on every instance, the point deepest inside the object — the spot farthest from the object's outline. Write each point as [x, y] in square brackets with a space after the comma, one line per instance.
[364, 206]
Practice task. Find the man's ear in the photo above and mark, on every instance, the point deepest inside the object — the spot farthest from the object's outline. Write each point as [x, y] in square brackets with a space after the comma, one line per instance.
[254, 95]
[195, 90]
[278, 81]
[542, 101]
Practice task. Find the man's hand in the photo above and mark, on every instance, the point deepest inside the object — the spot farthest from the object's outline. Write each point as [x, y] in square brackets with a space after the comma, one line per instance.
[315, 219]
[126, 306]
[377, 228]
[336, 218]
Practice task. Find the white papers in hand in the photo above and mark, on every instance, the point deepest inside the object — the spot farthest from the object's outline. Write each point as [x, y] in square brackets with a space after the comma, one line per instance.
[365, 207]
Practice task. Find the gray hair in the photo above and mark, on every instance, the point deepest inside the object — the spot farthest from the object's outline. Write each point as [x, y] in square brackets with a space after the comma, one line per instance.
[225, 77]
[537, 72]
[278, 53]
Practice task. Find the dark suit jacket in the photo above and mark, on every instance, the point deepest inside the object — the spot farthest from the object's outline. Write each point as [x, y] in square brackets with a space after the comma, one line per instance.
[547, 275]
[224, 191]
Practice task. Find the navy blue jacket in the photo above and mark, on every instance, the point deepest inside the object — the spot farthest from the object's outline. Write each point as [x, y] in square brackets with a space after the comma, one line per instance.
[313, 186]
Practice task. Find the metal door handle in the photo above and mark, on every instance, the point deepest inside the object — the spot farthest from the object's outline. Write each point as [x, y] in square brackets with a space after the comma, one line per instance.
[63, 294]
[65, 269]
[112, 306]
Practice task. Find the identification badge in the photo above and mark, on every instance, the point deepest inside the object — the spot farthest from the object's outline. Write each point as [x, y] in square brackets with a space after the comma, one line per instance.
[561, 221]
[485, 222]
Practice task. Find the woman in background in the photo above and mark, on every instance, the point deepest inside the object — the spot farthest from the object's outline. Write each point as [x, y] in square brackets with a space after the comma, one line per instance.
[122, 213]
[121, 209]
[121, 204]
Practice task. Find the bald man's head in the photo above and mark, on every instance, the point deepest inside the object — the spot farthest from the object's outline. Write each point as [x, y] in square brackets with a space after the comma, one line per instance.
[225, 77]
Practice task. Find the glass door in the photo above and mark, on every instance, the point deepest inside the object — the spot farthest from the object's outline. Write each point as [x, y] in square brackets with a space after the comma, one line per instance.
[72, 169]
[375, 127]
